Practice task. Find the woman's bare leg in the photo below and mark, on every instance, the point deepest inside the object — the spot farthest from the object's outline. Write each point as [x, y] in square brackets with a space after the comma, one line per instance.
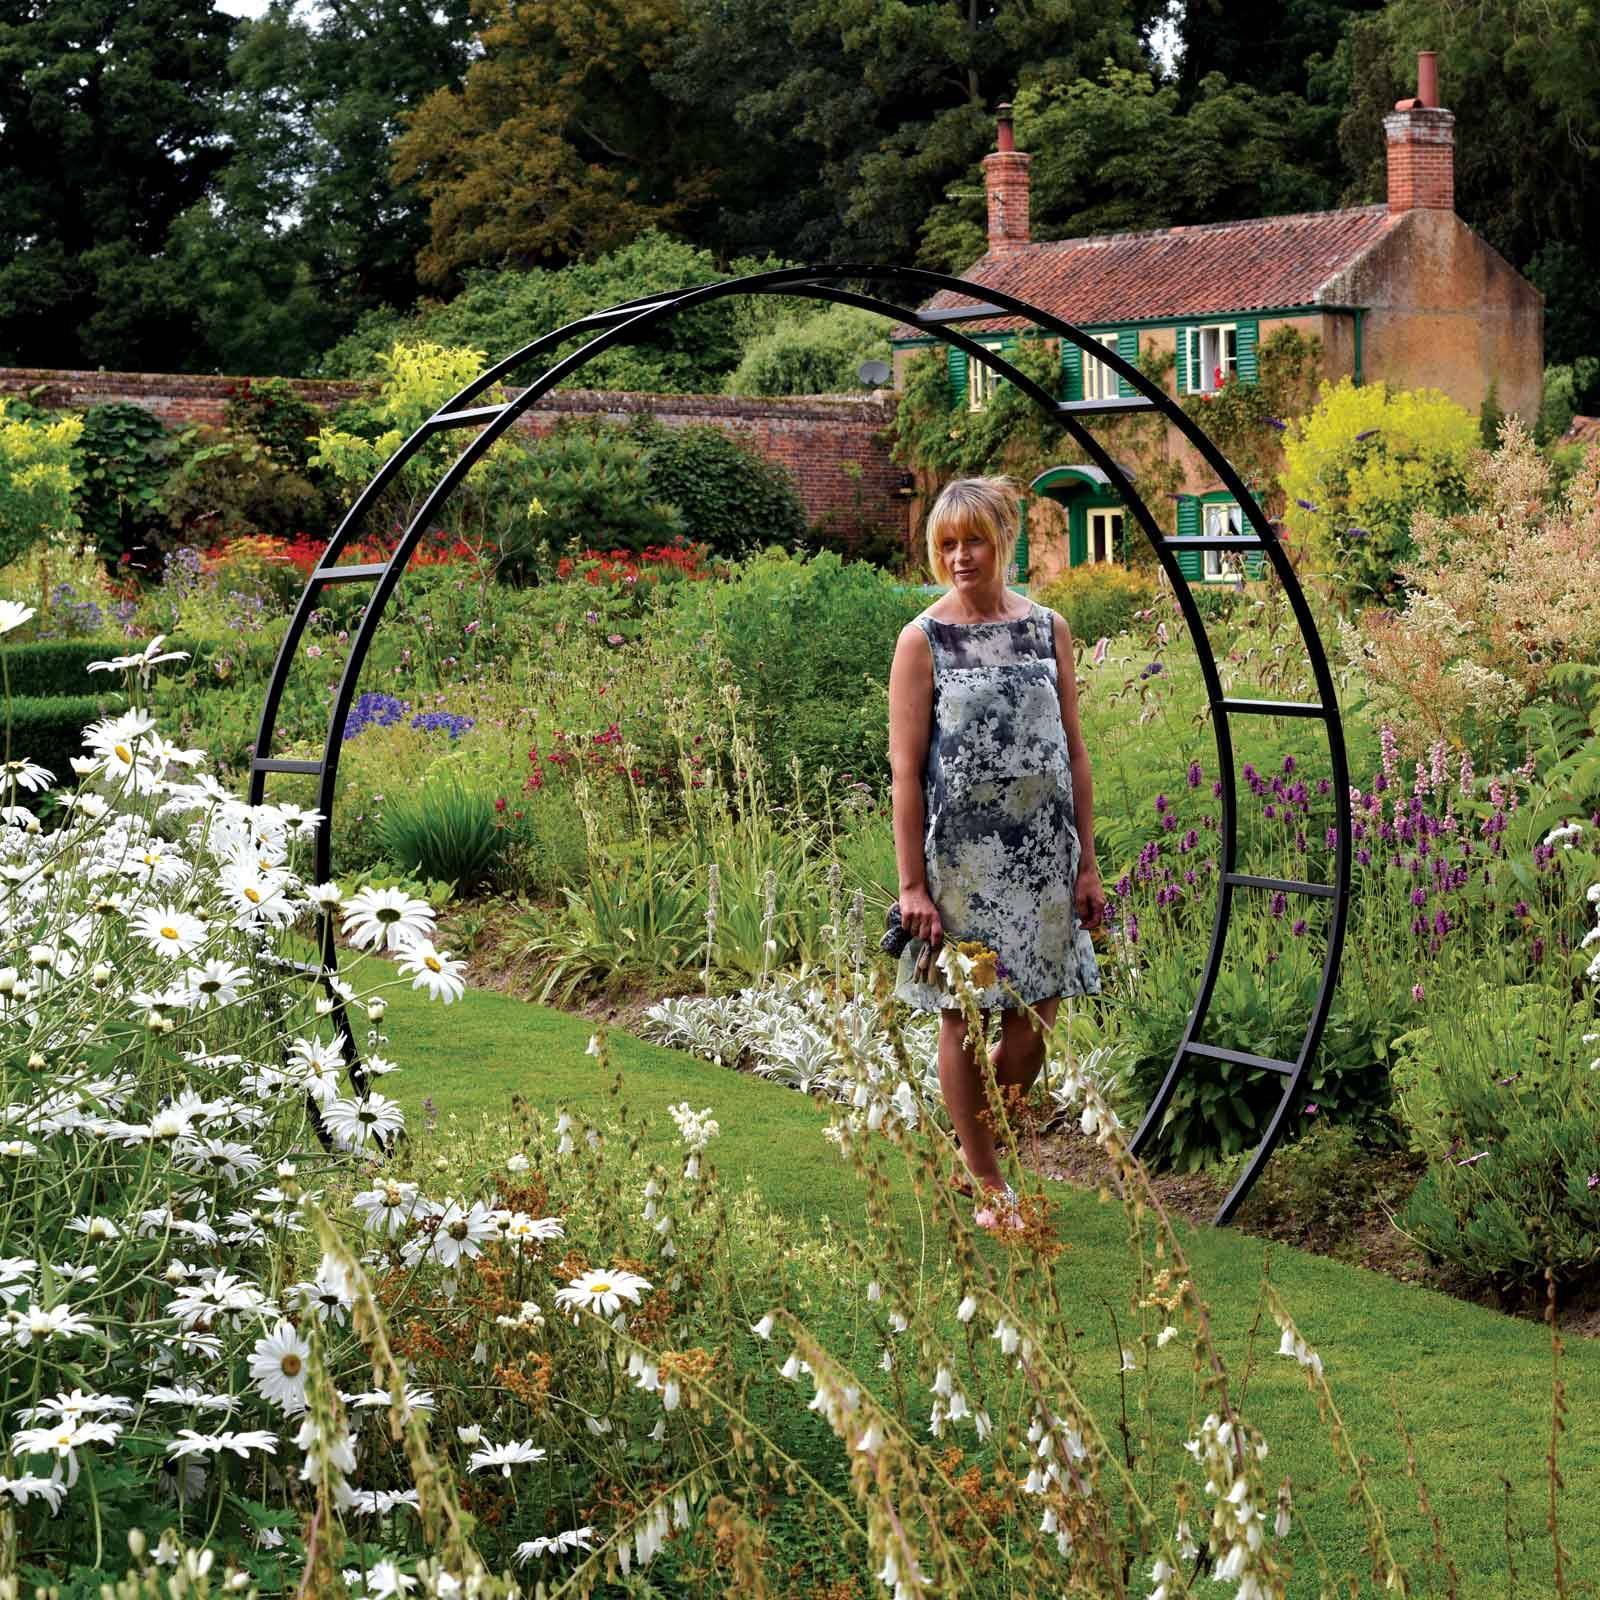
[965, 1100]
[1021, 1052]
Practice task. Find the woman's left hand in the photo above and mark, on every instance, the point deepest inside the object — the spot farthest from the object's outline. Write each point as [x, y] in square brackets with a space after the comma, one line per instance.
[1089, 897]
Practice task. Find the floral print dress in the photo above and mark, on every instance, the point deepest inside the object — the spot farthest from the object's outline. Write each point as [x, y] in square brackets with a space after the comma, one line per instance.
[1000, 837]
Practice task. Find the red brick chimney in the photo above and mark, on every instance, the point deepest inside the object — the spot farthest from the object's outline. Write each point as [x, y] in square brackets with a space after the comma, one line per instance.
[1422, 141]
[1005, 177]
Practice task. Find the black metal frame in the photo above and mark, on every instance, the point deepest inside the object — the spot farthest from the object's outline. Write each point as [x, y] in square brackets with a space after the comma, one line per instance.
[624, 321]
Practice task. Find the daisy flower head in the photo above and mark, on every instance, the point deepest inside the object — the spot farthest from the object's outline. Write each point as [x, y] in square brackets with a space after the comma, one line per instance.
[434, 970]
[519, 1452]
[601, 1291]
[373, 1119]
[460, 1234]
[278, 1368]
[29, 775]
[169, 931]
[63, 1439]
[13, 614]
[385, 1581]
[256, 896]
[390, 1205]
[118, 746]
[386, 919]
[556, 1543]
[318, 1064]
[216, 983]
[143, 662]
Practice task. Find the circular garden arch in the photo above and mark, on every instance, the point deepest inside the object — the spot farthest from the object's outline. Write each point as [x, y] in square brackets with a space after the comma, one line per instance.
[848, 285]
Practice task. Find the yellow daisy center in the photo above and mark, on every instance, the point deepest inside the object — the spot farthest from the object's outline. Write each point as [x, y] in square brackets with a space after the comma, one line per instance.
[602, 1287]
[252, 897]
[433, 964]
[290, 1365]
[169, 932]
[123, 753]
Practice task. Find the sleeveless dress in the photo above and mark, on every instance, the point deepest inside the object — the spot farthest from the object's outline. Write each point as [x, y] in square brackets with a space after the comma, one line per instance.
[1000, 837]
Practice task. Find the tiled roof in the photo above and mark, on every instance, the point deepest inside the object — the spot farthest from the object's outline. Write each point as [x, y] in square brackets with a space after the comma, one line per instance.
[1177, 272]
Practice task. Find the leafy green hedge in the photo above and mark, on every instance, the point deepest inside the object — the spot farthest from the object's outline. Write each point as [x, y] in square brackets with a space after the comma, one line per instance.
[50, 731]
[59, 666]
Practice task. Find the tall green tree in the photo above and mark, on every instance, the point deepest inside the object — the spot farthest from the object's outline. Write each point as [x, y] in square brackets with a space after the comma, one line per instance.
[1271, 45]
[1523, 78]
[557, 146]
[878, 105]
[109, 131]
[304, 232]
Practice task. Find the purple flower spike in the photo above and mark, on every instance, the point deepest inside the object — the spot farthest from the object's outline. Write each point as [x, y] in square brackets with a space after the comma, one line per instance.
[1273, 422]
[1305, 505]
[1366, 434]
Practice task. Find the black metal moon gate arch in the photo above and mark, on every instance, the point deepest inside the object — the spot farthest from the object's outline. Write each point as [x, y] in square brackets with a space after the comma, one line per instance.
[622, 322]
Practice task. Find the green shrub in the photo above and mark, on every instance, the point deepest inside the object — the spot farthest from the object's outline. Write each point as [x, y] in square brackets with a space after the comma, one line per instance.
[594, 485]
[1520, 1197]
[809, 644]
[445, 831]
[227, 484]
[55, 667]
[1098, 600]
[125, 455]
[820, 353]
[50, 731]
[272, 412]
[1362, 464]
[731, 499]
[37, 476]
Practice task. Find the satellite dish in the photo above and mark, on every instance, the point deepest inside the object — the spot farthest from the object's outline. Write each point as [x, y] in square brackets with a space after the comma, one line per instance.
[875, 373]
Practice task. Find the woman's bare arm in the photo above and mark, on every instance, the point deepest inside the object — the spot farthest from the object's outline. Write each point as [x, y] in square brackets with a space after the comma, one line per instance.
[910, 726]
[1077, 753]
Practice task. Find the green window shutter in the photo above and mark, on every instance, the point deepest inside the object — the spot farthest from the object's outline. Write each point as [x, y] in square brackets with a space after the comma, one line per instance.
[1071, 371]
[1180, 337]
[1246, 334]
[957, 361]
[1128, 349]
[1189, 528]
[1008, 349]
[1077, 532]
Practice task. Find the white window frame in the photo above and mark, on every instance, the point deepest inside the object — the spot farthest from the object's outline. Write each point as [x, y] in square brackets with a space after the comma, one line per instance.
[1219, 517]
[982, 381]
[1200, 370]
[1099, 381]
[1111, 537]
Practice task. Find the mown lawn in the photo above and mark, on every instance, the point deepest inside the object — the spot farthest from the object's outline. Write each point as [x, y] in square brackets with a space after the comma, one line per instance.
[1474, 1385]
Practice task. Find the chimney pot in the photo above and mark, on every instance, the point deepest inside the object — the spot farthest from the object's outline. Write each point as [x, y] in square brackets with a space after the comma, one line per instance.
[1428, 77]
[1004, 140]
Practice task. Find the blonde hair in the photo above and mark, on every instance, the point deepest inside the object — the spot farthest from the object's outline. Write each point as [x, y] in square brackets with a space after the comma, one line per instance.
[986, 506]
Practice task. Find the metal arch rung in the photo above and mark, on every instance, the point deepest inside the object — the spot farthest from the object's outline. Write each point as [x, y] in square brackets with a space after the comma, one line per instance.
[937, 319]
[1213, 541]
[464, 419]
[277, 764]
[1244, 880]
[1243, 1058]
[373, 569]
[1267, 708]
[607, 319]
[1113, 403]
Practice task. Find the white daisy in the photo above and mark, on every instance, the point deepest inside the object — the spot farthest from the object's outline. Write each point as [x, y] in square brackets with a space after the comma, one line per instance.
[385, 1580]
[63, 1439]
[460, 1233]
[601, 1291]
[386, 919]
[318, 1064]
[559, 1543]
[278, 1367]
[191, 1443]
[189, 1397]
[13, 614]
[26, 774]
[143, 662]
[168, 930]
[19, 1491]
[329, 1294]
[387, 1208]
[357, 1123]
[216, 983]
[434, 970]
[505, 1456]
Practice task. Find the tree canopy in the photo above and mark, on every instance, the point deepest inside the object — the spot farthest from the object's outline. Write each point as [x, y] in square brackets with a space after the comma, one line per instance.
[186, 190]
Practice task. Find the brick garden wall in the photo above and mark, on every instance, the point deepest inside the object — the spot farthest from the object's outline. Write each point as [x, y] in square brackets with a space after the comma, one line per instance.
[834, 449]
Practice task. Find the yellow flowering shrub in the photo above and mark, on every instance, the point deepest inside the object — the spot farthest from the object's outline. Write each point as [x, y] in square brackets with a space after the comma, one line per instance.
[37, 478]
[1497, 601]
[1360, 465]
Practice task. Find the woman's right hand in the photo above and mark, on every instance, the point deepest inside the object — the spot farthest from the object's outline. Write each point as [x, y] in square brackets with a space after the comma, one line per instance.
[920, 917]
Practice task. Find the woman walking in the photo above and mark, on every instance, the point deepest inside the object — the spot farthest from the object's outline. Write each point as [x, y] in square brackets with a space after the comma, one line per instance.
[993, 819]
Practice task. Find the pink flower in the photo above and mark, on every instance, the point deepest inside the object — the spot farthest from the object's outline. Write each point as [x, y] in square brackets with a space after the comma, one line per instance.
[313, 651]
[473, 626]
[613, 638]
[1100, 649]
[1416, 992]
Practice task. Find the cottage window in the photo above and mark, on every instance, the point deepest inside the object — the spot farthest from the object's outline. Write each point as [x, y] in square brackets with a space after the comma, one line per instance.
[1213, 356]
[1099, 381]
[1103, 534]
[1221, 518]
[982, 381]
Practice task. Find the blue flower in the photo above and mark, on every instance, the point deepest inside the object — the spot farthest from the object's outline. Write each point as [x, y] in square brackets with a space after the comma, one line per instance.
[449, 721]
[374, 710]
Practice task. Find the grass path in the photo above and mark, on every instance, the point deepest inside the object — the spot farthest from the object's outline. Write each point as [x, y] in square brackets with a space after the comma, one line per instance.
[1474, 1384]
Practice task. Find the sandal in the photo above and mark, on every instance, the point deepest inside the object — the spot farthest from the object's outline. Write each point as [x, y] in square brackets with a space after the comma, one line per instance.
[999, 1209]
